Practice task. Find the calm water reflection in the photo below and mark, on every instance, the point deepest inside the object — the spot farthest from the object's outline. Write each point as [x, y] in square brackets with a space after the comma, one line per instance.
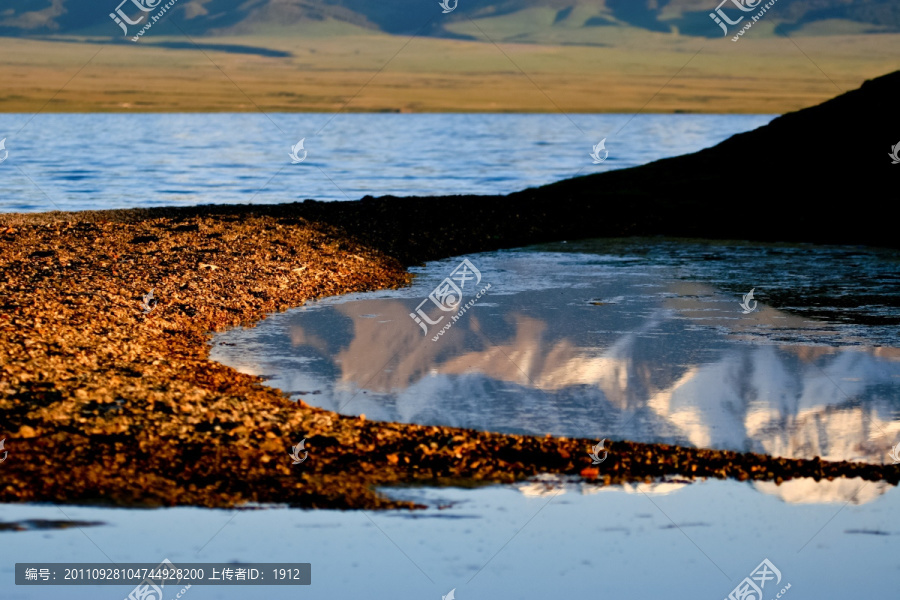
[625, 340]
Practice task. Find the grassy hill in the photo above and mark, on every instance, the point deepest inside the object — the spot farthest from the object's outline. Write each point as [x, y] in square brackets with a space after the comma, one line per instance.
[534, 21]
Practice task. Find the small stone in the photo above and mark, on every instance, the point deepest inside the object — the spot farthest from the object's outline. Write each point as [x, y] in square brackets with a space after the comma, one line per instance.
[590, 473]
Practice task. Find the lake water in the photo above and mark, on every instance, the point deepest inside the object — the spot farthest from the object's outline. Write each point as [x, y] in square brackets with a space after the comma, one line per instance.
[647, 541]
[642, 339]
[99, 161]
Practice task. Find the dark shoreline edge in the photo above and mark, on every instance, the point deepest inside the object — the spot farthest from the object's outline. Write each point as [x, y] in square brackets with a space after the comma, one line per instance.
[103, 404]
[777, 183]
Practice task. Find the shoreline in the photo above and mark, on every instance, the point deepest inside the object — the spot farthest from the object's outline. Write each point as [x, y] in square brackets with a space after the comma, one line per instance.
[107, 405]
[104, 404]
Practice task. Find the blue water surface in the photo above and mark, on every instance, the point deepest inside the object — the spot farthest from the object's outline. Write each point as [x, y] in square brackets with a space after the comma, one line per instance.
[103, 161]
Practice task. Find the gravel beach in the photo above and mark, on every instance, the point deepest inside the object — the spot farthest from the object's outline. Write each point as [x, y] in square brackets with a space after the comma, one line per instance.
[105, 402]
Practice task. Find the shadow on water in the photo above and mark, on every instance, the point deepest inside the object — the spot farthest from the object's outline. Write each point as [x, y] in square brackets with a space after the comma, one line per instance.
[45, 524]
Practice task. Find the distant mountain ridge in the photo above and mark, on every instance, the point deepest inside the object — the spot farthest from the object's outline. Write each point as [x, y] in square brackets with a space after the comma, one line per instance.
[519, 20]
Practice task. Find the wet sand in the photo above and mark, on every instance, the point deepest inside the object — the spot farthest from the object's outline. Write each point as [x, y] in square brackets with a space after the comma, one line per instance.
[103, 403]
